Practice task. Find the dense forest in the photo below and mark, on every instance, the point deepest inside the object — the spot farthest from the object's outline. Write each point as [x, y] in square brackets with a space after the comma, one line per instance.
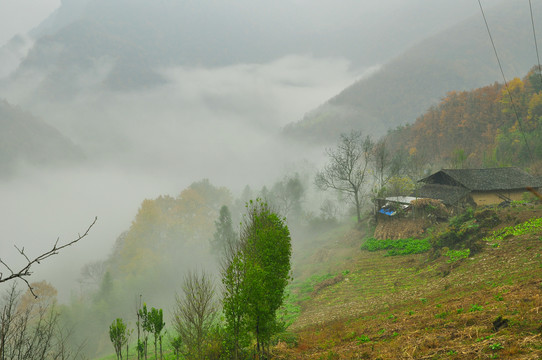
[492, 126]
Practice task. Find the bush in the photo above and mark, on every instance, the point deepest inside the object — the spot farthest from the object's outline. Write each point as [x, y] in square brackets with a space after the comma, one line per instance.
[462, 218]
[289, 338]
[463, 231]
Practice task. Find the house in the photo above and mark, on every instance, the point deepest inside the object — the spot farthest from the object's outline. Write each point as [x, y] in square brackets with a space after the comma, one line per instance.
[477, 187]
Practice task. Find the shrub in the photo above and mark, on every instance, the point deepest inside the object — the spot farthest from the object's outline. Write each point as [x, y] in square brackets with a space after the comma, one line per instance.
[289, 338]
[462, 231]
[458, 220]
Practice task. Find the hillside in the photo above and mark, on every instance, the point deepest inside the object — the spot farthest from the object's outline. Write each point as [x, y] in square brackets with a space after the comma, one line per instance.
[26, 139]
[371, 306]
[479, 128]
[459, 58]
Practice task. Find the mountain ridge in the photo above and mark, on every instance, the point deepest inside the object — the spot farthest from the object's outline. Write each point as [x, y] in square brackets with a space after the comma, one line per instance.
[28, 140]
[408, 85]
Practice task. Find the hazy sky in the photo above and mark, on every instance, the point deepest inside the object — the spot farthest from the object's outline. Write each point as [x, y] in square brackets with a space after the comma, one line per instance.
[20, 16]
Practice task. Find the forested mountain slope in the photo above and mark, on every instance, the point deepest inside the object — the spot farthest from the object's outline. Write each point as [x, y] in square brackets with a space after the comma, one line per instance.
[459, 58]
[490, 126]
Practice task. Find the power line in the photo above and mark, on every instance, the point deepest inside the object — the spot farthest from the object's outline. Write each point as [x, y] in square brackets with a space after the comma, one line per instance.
[535, 42]
[506, 84]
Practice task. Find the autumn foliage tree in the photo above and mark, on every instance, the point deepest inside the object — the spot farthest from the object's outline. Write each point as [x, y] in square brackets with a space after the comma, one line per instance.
[164, 224]
[31, 328]
[491, 126]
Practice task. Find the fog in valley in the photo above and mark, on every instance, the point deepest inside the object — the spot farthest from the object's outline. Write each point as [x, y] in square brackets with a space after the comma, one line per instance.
[222, 124]
[151, 120]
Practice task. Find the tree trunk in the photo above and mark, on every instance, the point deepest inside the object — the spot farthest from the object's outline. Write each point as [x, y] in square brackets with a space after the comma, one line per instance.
[161, 354]
[146, 348]
[257, 338]
[155, 348]
[358, 206]
[2, 337]
[138, 335]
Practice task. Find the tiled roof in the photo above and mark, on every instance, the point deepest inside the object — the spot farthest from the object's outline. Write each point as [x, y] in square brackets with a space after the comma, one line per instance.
[486, 179]
[448, 194]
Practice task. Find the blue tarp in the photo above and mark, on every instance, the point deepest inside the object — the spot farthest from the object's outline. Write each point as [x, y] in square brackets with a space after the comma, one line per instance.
[387, 212]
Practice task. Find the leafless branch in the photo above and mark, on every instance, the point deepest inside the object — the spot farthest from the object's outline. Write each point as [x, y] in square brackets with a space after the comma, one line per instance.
[25, 270]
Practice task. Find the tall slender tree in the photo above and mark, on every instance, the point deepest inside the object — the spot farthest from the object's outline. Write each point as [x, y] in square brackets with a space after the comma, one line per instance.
[256, 277]
[224, 234]
[157, 324]
[118, 334]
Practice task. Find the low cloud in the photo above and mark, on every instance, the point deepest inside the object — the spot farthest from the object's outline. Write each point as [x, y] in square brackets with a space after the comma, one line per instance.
[221, 123]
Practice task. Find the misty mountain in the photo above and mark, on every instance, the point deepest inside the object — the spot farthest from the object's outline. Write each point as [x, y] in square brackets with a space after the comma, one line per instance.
[12, 53]
[126, 42]
[26, 139]
[458, 58]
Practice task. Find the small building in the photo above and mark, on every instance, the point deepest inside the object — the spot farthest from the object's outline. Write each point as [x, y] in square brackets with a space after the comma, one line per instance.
[477, 187]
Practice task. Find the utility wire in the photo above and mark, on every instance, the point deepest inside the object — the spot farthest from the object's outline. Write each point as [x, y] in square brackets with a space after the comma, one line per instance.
[506, 85]
[535, 42]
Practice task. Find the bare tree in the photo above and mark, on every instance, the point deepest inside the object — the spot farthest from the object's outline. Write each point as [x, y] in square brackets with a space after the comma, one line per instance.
[196, 313]
[93, 272]
[31, 331]
[24, 272]
[385, 164]
[348, 167]
[286, 196]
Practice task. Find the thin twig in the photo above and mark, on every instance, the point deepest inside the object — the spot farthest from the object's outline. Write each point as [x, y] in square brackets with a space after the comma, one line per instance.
[25, 271]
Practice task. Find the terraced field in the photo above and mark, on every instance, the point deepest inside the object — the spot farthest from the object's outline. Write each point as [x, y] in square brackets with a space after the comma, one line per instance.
[413, 307]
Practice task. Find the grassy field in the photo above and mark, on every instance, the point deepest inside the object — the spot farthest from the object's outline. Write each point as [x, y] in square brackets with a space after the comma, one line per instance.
[350, 303]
